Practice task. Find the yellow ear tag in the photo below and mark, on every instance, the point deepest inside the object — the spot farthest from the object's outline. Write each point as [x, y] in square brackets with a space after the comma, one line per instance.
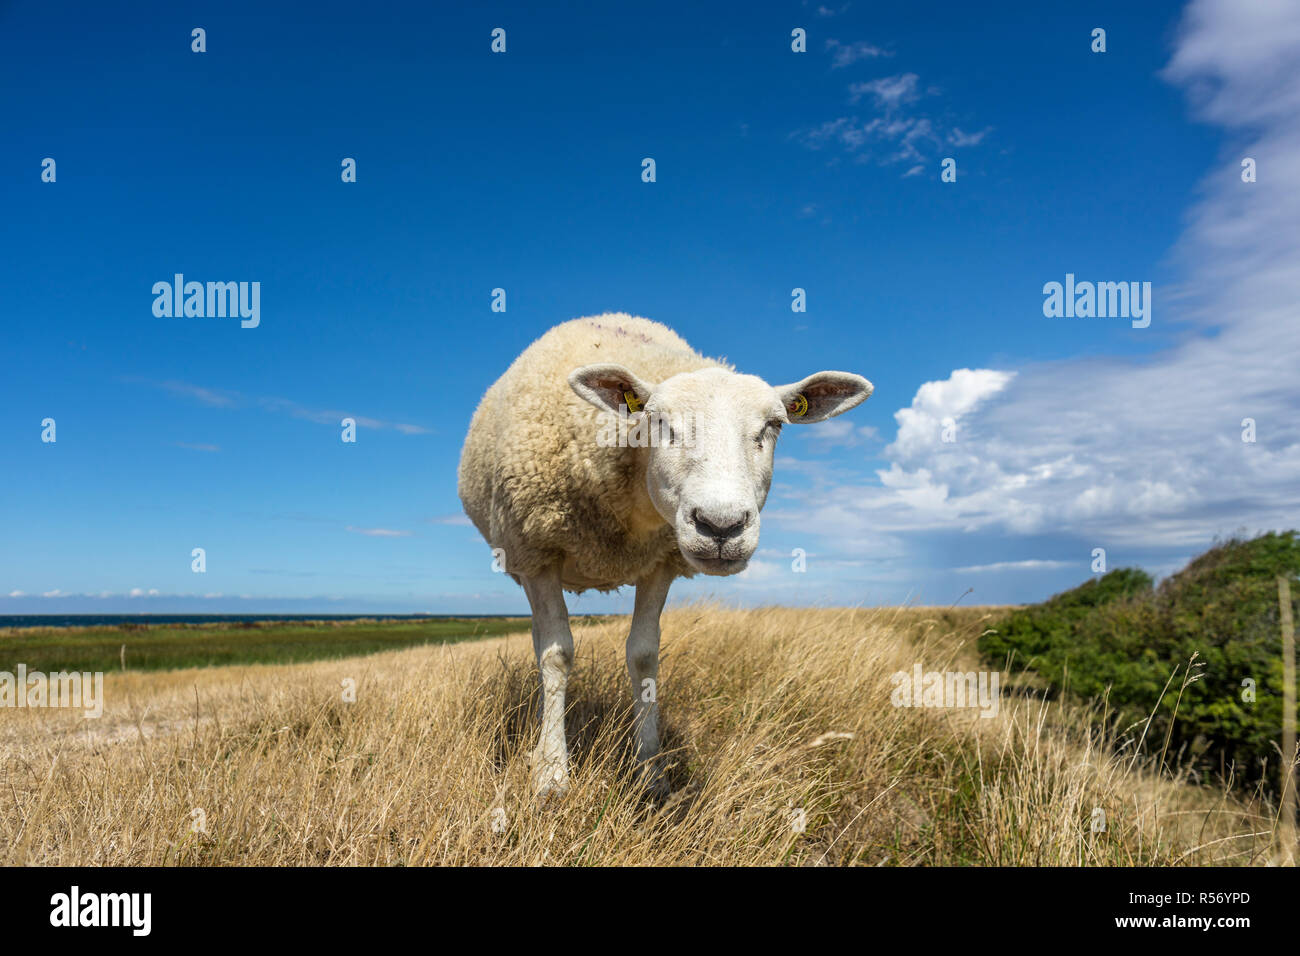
[800, 408]
[633, 403]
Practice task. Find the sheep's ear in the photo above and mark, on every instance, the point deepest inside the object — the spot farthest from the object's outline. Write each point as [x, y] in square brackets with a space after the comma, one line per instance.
[609, 386]
[823, 395]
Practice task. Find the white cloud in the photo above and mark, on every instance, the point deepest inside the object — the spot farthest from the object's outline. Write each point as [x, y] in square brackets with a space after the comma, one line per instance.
[206, 396]
[1238, 61]
[920, 428]
[17, 594]
[957, 138]
[759, 571]
[888, 92]
[896, 134]
[457, 520]
[1032, 564]
[825, 11]
[902, 139]
[218, 398]
[845, 54]
[1145, 452]
[380, 532]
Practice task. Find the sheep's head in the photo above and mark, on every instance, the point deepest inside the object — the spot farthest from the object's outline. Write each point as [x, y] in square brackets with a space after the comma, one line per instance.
[710, 436]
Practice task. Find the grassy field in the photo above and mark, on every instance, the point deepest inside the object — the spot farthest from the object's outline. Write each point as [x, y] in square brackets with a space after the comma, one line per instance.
[169, 646]
[785, 749]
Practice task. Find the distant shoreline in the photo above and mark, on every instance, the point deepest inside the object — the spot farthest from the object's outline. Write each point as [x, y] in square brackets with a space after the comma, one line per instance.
[118, 620]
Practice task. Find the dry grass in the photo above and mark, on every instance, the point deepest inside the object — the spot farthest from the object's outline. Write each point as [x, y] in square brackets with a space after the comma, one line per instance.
[430, 764]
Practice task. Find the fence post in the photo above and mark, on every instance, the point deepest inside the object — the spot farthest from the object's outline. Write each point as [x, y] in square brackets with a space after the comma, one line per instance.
[1287, 818]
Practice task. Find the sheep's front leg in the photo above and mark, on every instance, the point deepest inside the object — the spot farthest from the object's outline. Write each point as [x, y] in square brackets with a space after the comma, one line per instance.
[643, 669]
[553, 645]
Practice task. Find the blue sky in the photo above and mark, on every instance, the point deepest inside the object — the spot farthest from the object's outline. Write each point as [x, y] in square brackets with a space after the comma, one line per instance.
[522, 170]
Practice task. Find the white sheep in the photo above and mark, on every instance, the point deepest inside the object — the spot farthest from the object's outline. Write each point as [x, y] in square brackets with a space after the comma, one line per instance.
[559, 477]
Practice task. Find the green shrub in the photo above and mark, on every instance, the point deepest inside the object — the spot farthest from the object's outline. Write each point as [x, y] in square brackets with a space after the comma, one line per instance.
[1116, 632]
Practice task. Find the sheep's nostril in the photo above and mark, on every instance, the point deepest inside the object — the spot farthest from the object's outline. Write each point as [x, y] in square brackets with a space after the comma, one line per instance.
[718, 528]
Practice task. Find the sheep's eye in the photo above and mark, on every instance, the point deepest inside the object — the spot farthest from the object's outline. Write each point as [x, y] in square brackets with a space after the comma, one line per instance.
[772, 428]
[666, 433]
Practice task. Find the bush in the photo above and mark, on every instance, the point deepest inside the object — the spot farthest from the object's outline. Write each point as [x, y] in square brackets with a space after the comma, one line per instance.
[1118, 633]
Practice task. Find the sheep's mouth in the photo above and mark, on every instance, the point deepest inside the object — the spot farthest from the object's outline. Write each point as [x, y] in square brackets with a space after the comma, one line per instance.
[716, 565]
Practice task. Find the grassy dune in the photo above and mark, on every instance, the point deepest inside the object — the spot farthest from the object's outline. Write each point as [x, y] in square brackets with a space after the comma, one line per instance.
[767, 713]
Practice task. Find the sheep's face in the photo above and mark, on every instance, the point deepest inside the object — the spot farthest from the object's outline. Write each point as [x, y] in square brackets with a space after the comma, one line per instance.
[710, 436]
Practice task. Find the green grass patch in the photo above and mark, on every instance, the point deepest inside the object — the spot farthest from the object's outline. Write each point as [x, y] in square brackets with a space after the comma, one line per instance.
[154, 647]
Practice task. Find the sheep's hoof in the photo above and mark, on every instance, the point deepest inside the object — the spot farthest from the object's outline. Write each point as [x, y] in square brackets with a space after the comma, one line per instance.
[654, 782]
[551, 783]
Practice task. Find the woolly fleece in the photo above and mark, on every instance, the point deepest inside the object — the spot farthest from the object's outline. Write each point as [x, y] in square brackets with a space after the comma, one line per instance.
[535, 482]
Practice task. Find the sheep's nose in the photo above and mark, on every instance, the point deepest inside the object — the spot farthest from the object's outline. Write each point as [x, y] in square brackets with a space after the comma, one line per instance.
[718, 528]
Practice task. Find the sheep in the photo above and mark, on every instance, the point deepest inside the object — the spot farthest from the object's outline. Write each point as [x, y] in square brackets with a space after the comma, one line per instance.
[566, 508]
